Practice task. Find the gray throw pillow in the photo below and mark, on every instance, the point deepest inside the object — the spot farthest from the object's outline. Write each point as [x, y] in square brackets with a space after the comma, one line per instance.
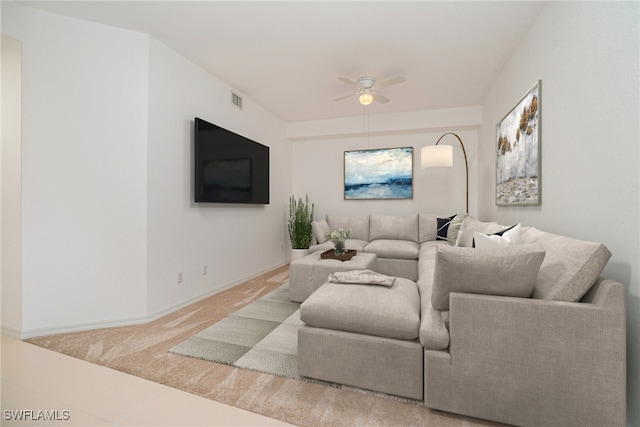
[320, 230]
[496, 271]
[570, 267]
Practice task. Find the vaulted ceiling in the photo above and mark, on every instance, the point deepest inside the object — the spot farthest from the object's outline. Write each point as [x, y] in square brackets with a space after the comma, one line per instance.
[287, 56]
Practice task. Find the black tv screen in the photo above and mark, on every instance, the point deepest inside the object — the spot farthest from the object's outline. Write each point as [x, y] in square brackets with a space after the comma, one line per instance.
[229, 168]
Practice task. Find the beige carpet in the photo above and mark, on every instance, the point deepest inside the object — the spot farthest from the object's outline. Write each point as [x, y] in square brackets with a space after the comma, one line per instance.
[142, 350]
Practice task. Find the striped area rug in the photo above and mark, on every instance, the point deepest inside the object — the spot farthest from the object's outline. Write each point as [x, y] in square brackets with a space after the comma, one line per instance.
[261, 336]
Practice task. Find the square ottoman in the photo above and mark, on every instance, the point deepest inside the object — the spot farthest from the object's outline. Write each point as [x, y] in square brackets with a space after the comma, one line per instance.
[309, 273]
[364, 336]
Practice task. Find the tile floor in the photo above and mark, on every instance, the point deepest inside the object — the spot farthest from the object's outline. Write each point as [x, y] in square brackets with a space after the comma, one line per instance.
[80, 393]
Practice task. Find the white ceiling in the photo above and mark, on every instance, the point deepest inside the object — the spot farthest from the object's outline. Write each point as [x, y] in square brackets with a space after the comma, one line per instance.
[287, 56]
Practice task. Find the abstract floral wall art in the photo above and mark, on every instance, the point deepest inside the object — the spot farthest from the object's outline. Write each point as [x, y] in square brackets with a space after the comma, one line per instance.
[518, 152]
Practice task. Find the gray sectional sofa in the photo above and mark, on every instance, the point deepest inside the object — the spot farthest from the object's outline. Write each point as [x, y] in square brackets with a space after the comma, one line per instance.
[396, 240]
[528, 334]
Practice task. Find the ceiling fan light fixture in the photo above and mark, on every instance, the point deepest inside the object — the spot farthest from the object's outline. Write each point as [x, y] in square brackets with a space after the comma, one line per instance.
[366, 99]
[366, 87]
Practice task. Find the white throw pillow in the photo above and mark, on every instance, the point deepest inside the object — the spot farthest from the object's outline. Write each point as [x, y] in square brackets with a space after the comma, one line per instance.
[512, 236]
[470, 225]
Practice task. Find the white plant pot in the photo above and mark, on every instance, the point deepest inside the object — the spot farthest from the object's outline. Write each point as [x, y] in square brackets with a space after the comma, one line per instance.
[296, 254]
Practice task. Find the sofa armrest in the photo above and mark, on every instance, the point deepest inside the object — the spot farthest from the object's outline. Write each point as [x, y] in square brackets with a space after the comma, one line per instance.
[434, 334]
[555, 362]
[478, 320]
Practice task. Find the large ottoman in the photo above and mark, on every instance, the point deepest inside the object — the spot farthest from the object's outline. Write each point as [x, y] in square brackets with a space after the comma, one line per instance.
[309, 273]
[364, 336]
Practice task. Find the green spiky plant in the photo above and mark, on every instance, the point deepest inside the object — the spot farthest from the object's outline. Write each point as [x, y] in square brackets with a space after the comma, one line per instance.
[300, 219]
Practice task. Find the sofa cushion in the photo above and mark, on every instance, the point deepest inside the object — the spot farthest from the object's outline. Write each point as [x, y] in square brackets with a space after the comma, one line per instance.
[359, 225]
[428, 227]
[396, 249]
[470, 225]
[320, 230]
[391, 227]
[570, 267]
[390, 312]
[511, 236]
[508, 271]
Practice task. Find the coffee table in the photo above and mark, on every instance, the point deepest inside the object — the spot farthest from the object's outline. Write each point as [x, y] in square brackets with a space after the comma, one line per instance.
[309, 273]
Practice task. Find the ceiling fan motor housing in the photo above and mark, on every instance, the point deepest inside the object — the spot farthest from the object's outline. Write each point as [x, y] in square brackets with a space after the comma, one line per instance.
[366, 82]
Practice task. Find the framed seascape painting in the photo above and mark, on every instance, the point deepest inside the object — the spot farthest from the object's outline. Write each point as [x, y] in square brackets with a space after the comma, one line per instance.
[518, 153]
[378, 174]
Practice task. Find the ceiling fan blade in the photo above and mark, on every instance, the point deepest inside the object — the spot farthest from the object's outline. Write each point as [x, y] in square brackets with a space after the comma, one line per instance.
[392, 81]
[381, 99]
[345, 97]
[349, 82]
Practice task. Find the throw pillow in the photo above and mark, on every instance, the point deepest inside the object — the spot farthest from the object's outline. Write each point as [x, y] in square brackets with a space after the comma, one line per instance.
[454, 228]
[443, 227]
[570, 268]
[508, 271]
[508, 237]
[470, 225]
[320, 230]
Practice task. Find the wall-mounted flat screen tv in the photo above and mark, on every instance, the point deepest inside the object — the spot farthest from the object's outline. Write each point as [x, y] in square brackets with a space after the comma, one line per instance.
[229, 168]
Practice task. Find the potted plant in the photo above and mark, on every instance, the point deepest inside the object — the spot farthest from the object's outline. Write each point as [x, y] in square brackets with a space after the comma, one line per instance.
[300, 230]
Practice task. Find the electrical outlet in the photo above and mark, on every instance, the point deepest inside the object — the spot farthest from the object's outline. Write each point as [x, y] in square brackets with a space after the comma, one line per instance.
[204, 270]
[180, 277]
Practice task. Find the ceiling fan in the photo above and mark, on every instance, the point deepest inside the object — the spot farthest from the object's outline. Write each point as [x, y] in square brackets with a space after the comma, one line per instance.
[366, 88]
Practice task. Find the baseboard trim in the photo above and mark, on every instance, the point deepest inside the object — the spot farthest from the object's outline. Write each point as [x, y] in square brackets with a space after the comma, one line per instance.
[171, 309]
[85, 326]
[9, 331]
[114, 323]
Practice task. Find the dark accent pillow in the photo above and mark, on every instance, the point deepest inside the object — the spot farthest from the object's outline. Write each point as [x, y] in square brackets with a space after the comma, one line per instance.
[443, 227]
[499, 233]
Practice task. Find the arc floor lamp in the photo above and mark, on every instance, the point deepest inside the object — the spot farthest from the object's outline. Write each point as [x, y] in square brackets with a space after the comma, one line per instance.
[433, 156]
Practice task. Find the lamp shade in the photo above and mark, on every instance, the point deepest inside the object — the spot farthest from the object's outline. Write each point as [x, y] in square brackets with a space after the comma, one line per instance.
[366, 99]
[434, 156]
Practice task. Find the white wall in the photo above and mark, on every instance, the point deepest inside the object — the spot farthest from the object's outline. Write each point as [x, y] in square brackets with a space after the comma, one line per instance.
[233, 241]
[587, 56]
[84, 135]
[107, 214]
[11, 228]
[318, 160]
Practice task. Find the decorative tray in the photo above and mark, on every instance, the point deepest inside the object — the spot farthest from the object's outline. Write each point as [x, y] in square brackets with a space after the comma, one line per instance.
[331, 254]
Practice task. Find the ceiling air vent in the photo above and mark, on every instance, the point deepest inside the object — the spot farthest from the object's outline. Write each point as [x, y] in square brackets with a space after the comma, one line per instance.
[236, 100]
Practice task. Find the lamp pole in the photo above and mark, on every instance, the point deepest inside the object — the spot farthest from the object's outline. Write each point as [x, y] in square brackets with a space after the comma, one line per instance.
[466, 165]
